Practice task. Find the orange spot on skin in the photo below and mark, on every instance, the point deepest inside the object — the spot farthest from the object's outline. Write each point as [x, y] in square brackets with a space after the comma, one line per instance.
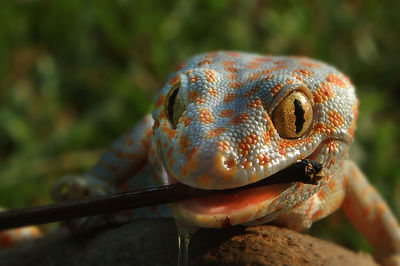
[310, 64]
[247, 165]
[205, 62]
[254, 103]
[266, 137]
[304, 72]
[204, 180]
[335, 118]
[334, 79]
[332, 184]
[194, 79]
[233, 54]
[174, 80]
[245, 145]
[191, 153]
[310, 206]
[226, 113]
[321, 195]
[213, 92]
[252, 91]
[276, 88]
[283, 145]
[345, 181]
[230, 97]
[232, 76]
[263, 159]
[206, 116]
[236, 85]
[156, 124]
[242, 118]
[210, 76]
[171, 163]
[149, 133]
[160, 101]
[187, 121]
[269, 77]
[323, 93]
[200, 101]
[223, 145]
[262, 59]
[320, 128]
[191, 161]
[231, 69]
[184, 143]
[212, 133]
[317, 214]
[257, 75]
[227, 63]
[289, 81]
[280, 62]
[169, 153]
[331, 163]
[253, 65]
[185, 171]
[170, 132]
[193, 95]
[332, 146]
[298, 78]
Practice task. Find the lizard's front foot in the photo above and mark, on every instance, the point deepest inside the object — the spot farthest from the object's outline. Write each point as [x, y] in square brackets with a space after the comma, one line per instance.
[78, 187]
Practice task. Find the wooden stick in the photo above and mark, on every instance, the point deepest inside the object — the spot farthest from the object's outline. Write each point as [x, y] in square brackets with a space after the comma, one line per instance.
[305, 171]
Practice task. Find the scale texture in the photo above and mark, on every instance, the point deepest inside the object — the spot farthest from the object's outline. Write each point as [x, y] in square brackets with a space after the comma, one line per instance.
[228, 119]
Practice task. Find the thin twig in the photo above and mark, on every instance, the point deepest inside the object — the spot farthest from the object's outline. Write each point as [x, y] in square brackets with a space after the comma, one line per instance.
[304, 171]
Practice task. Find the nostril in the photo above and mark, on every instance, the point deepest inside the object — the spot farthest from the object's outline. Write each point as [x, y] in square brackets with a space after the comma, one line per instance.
[229, 163]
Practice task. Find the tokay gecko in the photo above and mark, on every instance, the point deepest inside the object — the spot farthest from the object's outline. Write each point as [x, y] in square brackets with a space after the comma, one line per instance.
[228, 119]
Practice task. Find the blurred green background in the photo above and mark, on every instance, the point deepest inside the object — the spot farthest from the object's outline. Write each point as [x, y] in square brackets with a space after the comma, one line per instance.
[74, 75]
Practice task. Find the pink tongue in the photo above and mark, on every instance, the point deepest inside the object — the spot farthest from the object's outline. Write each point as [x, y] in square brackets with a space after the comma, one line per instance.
[223, 204]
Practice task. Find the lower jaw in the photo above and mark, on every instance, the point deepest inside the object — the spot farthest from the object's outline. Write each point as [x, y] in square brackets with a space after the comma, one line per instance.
[231, 209]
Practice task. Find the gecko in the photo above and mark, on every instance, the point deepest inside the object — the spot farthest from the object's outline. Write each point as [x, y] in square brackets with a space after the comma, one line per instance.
[227, 119]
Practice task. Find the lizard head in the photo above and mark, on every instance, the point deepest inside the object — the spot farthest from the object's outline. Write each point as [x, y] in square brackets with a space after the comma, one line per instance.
[226, 120]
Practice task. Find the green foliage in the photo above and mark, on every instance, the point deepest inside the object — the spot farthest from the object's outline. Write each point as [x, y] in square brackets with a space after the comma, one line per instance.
[74, 75]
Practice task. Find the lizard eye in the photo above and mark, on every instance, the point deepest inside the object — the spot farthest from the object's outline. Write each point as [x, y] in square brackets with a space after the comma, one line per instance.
[292, 117]
[174, 106]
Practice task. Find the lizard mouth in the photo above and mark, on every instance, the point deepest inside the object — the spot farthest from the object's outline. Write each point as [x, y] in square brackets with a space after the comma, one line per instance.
[230, 208]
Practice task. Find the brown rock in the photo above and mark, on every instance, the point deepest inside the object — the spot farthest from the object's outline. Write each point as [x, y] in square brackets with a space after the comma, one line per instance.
[154, 242]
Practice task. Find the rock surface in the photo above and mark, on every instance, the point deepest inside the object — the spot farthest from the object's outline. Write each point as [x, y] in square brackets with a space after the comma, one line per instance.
[154, 242]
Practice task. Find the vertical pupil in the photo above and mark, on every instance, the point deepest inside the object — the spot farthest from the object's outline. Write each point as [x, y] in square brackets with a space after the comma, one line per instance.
[299, 114]
[171, 103]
